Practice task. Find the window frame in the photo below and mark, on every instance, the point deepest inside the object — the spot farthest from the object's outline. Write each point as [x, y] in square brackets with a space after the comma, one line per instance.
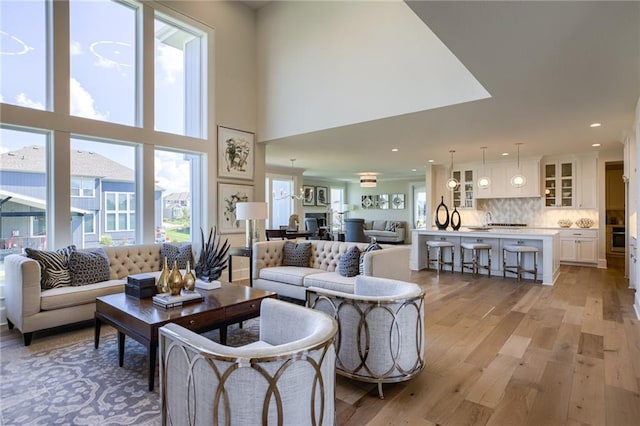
[128, 211]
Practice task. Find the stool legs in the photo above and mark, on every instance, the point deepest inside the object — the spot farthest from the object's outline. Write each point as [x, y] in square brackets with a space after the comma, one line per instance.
[475, 262]
[439, 260]
[519, 266]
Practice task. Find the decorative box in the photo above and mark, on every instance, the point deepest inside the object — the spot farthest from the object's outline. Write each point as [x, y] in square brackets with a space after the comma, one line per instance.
[139, 292]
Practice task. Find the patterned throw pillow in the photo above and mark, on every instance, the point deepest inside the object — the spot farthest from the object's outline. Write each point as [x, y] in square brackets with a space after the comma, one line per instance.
[391, 226]
[88, 267]
[296, 254]
[54, 266]
[370, 247]
[174, 253]
[349, 264]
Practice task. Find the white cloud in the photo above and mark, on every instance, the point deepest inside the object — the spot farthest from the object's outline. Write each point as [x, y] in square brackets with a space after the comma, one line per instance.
[82, 102]
[22, 100]
[172, 173]
[75, 48]
[170, 62]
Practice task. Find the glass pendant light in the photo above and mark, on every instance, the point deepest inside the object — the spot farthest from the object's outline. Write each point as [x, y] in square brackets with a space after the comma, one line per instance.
[284, 194]
[452, 183]
[518, 180]
[483, 181]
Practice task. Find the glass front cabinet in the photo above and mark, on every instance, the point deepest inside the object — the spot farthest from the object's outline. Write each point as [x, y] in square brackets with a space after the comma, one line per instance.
[463, 194]
[559, 184]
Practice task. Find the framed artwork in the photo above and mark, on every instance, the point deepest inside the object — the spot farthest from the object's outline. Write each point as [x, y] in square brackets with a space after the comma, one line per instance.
[236, 152]
[383, 201]
[309, 195]
[321, 196]
[397, 201]
[228, 196]
[367, 202]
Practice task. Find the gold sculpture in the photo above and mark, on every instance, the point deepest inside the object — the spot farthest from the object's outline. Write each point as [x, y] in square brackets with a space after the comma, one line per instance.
[175, 280]
[189, 279]
[162, 284]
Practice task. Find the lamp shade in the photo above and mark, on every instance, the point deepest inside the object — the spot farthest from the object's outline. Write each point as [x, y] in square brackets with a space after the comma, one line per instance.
[368, 181]
[251, 210]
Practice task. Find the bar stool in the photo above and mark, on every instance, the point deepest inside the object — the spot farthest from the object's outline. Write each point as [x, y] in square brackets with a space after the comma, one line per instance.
[475, 265]
[439, 260]
[518, 268]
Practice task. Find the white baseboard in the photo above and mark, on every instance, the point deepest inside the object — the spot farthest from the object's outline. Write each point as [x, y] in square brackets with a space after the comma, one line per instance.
[602, 263]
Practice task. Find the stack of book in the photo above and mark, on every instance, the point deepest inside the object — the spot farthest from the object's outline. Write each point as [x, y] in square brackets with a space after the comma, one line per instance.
[169, 301]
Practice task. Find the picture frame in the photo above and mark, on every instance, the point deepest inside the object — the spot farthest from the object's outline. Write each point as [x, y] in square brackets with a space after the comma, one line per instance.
[236, 153]
[228, 196]
[366, 202]
[309, 195]
[397, 201]
[383, 201]
[321, 196]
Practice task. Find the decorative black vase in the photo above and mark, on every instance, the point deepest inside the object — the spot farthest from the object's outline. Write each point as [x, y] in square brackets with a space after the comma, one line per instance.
[442, 225]
[455, 219]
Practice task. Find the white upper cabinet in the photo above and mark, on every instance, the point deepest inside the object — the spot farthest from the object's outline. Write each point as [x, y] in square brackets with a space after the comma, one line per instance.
[570, 182]
[500, 174]
[587, 185]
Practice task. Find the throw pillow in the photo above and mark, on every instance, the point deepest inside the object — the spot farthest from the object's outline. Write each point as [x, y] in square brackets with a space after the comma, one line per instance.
[368, 225]
[370, 247]
[174, 253]
[379, 225]
[391, 226]
[296, 254]
[54, 266]
[349, 263]
[88, 267]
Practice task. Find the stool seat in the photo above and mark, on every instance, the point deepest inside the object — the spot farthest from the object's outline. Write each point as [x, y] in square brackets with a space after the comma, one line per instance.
[475, 246]
[440, 244]
[518, 268]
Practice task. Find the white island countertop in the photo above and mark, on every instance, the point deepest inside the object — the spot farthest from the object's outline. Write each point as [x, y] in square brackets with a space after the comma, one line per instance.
[545, 240]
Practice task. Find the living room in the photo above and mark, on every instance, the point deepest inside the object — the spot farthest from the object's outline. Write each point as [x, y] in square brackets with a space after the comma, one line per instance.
[255, 85]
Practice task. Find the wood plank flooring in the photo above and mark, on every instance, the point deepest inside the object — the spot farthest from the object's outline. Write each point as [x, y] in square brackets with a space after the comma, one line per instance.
[499, 352]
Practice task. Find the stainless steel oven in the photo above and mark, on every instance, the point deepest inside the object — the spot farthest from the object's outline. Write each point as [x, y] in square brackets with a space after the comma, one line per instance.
[618, 239]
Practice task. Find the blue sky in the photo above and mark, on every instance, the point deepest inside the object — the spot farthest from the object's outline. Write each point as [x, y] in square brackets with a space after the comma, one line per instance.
[102, 83]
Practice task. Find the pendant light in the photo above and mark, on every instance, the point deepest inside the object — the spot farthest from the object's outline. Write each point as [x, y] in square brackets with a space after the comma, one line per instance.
[483, 181]
[518, 180]
[283, 195]
[452, 183]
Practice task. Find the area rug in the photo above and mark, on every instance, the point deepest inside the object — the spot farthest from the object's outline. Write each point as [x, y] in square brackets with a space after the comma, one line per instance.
[63, 380]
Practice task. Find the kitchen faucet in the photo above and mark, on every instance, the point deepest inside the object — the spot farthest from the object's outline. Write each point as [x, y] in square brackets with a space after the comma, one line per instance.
[488, 218]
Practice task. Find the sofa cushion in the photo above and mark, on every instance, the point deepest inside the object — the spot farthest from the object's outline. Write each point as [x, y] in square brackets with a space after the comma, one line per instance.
[296, 254]
[348, 265]
[379, 225]
[330, 281]
[293, 275]
[368, 225]
[180, 254]
[54, 266]
[370, 247]
[391, 226]
[64, 297]
[88, 267]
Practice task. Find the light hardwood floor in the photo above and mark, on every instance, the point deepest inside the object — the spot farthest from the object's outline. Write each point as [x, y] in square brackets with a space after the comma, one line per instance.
[499, 352]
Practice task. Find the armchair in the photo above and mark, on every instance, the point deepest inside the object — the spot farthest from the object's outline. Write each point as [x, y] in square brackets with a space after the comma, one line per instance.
[311, 225]
[287, 377]
[380, 329]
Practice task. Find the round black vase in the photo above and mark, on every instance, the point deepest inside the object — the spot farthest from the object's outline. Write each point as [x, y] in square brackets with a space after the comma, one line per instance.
[455, 219]
[442, 225]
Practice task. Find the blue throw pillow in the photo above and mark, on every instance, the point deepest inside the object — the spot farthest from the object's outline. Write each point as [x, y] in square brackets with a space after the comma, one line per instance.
[370, 247]
[88, 267]
[174, 253]
[296, 254]
[349, 264]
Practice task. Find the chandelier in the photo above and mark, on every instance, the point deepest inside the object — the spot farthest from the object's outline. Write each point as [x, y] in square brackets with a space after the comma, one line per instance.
[283, 195]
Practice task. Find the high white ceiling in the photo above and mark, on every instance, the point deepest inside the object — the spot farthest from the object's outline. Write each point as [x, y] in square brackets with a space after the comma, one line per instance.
[552, 68]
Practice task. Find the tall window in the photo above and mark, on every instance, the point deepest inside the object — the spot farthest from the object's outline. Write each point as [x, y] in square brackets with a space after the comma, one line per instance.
[103, 60]
[338, 208]
[120, 211]
[179, 86]
[23, 49]
[89, 223]
[420, 219]
[177, 177]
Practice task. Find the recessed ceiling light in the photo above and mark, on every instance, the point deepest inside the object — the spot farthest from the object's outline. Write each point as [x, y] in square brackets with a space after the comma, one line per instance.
[414, 170]
[504, 154]
[430, 161]
[595, 144]
[394, 150]
[595, 125]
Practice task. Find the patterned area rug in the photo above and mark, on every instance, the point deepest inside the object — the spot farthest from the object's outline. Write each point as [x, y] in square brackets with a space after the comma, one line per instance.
[64, 380]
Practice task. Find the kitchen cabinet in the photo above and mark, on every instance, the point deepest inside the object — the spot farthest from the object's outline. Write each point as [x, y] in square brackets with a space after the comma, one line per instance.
[579, 245]
[500, 174]
[587, 184]
[463, 195]
[559, 183]
[633, 258]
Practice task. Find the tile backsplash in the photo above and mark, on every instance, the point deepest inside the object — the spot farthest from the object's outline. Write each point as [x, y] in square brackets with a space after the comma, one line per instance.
[530, 211]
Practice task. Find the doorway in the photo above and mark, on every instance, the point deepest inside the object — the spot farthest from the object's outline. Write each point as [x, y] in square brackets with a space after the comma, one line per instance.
[615, 196]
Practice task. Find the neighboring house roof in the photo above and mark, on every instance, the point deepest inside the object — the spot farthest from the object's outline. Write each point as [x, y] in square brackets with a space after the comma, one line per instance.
[177, 197]
[34, 202]
[83, 163]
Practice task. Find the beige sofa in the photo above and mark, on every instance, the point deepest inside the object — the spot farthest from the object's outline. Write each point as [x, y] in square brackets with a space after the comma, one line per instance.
[292, 281]
[378, 230]
[29, 308]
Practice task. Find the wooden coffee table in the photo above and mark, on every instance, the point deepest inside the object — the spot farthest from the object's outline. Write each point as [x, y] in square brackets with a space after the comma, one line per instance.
[140, 319]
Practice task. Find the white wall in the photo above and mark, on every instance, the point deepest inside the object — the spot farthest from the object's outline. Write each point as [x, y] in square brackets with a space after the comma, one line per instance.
[323, 64]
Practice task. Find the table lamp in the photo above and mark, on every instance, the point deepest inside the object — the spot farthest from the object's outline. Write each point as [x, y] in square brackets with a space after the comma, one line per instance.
[251, 211]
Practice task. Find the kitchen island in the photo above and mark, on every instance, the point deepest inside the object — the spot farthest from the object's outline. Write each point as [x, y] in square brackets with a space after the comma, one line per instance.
[547, 242]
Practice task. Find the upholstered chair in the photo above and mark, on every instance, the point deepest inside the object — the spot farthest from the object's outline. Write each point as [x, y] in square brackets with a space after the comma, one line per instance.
[355, 231]
[380, 329]
[287, 377]
[311, 225]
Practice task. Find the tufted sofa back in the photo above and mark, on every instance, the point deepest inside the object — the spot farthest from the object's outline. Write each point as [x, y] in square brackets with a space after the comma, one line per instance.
[135, 259]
